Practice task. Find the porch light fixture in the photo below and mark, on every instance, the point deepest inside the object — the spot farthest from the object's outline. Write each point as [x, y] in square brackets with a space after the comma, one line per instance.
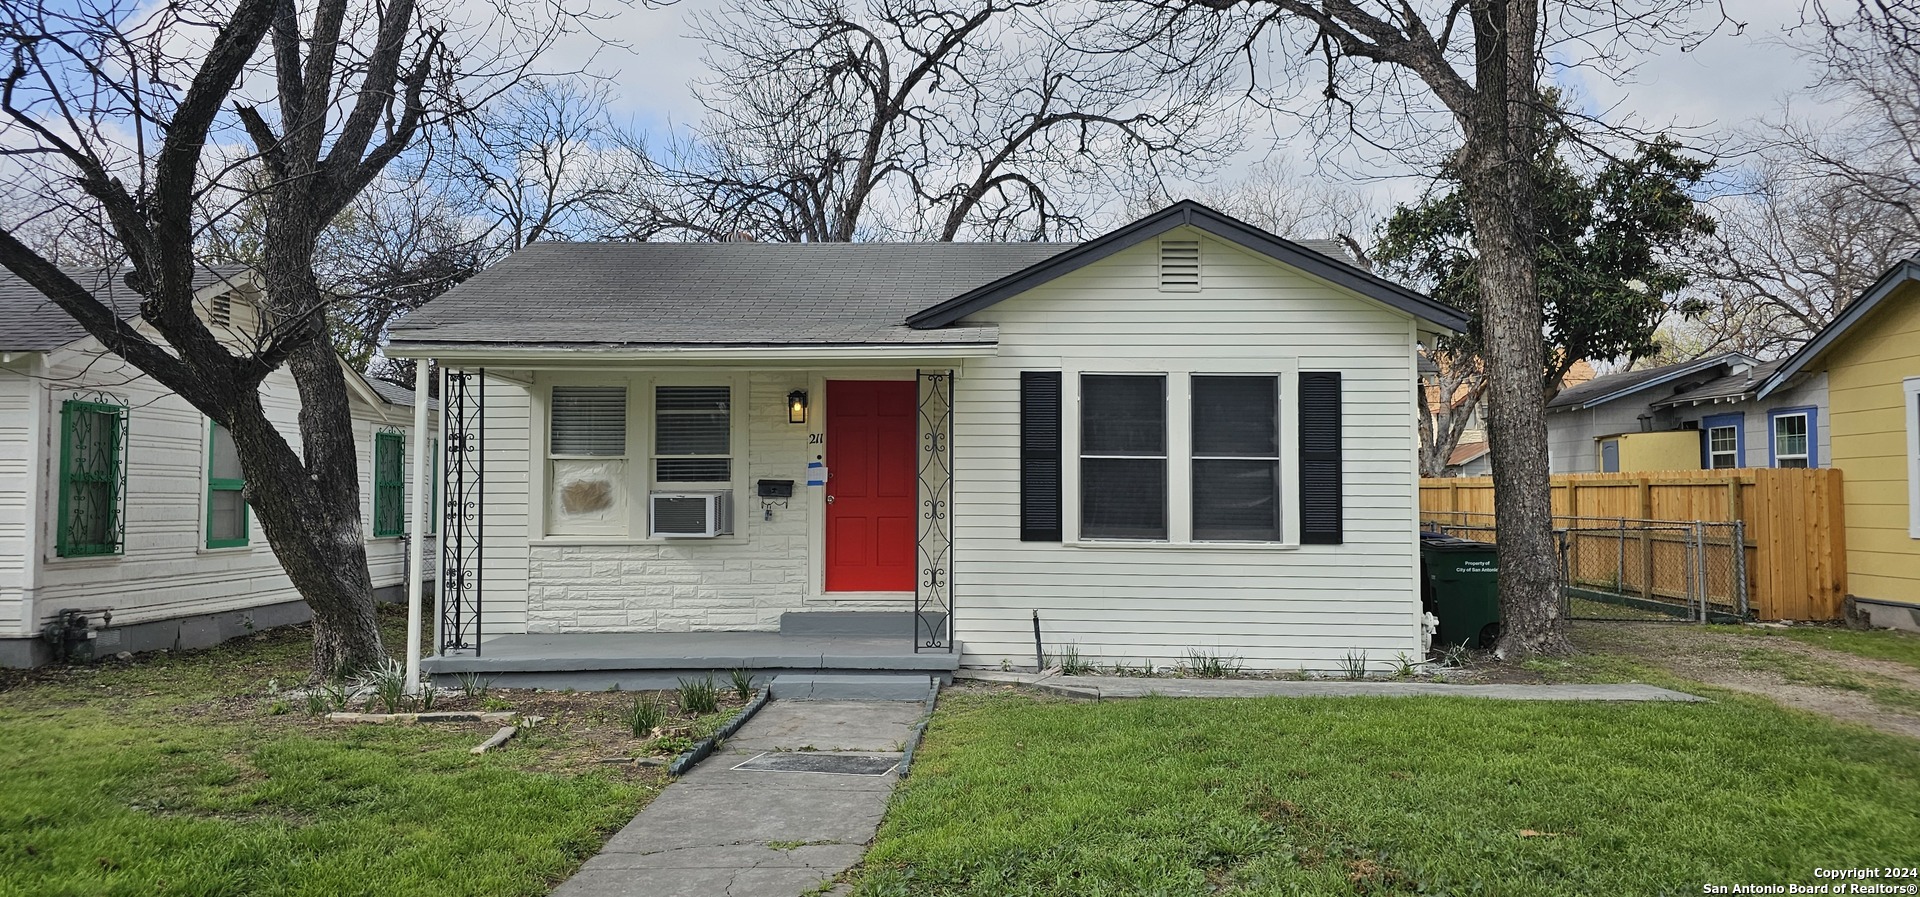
[797, 407]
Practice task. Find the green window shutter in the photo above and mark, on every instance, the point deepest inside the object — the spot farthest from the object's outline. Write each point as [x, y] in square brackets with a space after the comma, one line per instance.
[227, 513]
[389, 485]
[91, 479]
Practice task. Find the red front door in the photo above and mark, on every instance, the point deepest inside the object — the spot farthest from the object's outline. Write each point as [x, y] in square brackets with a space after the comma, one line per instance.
[871, 449]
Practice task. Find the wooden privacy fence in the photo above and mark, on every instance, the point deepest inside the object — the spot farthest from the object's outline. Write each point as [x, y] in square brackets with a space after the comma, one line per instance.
[1795, 524]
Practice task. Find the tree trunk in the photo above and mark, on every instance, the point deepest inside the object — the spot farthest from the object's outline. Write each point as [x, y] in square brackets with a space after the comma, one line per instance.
[1497, 169]
[316, 530]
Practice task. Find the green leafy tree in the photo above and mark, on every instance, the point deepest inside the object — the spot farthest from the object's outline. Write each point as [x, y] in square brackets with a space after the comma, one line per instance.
[1610, 248]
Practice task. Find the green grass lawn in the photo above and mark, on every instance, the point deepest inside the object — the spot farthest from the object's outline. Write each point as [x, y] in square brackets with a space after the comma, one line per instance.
[1874, 644]
[1013, 795]
[154, 778]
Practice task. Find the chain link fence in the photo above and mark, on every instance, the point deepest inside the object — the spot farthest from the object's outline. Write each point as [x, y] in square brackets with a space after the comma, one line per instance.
[1618, 568]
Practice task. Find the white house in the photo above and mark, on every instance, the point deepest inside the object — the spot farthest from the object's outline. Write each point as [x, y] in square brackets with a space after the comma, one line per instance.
[120, 508]
[1186, 435]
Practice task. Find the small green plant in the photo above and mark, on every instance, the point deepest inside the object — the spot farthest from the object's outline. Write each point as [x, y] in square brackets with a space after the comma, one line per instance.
[1208, 665]
[1403, 665]
[317, 703]
[673, 744]
[427, 695]
[493, 703]
[699, 695]
[474, 685]
[1354, 665]
[742, 683]
[646, 716]
[1456, 656]
[1072, 664]
[389, 686]
[279, 707]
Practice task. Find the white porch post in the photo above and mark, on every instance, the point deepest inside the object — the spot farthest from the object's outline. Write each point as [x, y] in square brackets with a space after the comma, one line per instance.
[417, 512]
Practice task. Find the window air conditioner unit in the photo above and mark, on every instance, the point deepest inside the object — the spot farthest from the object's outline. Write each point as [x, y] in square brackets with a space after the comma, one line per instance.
[691, 515]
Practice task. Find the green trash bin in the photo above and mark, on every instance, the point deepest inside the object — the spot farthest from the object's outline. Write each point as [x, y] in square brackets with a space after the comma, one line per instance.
[1461, 585]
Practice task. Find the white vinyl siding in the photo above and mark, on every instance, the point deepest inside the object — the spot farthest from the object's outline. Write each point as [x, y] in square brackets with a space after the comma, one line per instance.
[1274, 607]
[164, 570]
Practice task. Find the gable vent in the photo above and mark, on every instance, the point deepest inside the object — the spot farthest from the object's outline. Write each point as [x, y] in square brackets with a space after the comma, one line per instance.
[1180, 265]
[220, 310]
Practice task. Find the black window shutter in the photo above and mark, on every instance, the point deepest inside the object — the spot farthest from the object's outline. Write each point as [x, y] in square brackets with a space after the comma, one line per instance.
[1321, 501]
[1039, 456]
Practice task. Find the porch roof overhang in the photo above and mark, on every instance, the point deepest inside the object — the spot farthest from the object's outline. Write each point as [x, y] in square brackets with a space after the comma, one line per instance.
[983, 345]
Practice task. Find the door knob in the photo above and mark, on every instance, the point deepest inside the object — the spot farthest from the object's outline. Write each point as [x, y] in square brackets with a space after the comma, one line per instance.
[829, 499]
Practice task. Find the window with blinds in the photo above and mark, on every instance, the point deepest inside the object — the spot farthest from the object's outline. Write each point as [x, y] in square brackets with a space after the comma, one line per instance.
[692, 434]
[586, 450]
[588, 422]
[1123, 456]
[1236, 458]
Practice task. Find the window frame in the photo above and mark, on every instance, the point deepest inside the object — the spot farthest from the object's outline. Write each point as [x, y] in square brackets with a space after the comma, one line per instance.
[1812, 415]
[1910, 409]
[1179, 374]
[1165, 457]
[638, 473]
[64, 544]
[1737, 422]
[396, 527]
[223, 484]
[1278, 459]
[732, 457]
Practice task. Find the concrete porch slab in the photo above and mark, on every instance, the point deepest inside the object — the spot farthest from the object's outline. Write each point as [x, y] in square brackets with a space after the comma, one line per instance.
[637, 660]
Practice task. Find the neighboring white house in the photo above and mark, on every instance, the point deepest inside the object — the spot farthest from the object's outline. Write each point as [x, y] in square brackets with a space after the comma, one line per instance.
[118, 498]
[1693, 415]
[1188, 434]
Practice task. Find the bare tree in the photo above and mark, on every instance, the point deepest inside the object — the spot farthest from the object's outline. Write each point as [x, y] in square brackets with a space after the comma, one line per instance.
[1280, 199]
[1788, 257]
[1396, 75]
[1869, 56]
[542, 162]
[109, 111]
[835, 121]
[1450, 394]
[1831, 202]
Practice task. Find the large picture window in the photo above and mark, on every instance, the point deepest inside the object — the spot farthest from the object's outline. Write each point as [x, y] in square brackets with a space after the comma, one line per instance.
[91, 478]
[692, 434]
[1123, 456]
[1236, 458]
[226, 500]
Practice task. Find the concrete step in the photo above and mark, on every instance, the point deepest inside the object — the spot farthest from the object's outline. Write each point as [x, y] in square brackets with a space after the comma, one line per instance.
[830, 687]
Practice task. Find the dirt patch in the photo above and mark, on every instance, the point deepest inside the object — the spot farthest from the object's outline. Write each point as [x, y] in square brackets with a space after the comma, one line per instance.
[1875, 693]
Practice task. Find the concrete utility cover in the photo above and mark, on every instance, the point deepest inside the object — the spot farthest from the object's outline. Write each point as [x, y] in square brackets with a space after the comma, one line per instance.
[828, 763]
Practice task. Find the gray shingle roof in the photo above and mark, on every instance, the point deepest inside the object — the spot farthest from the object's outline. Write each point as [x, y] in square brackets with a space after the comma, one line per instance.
[716, 293]
[735, 294]
[1732, 386]
[1613, 386]
[30, 322]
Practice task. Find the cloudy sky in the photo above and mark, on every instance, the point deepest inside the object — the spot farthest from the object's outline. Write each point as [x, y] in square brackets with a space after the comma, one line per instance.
[1728, 83]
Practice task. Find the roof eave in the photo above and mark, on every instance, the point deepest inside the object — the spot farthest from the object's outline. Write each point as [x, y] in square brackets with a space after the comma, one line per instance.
[690, 352]
[1189, 213]
[1641, 387]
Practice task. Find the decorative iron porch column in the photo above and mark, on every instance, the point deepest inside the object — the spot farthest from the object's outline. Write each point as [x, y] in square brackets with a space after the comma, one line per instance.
[463, 409]
[933, 585]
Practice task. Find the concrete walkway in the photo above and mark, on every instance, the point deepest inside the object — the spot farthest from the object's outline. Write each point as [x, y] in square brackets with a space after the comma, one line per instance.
[1130, 687]
[743, 833]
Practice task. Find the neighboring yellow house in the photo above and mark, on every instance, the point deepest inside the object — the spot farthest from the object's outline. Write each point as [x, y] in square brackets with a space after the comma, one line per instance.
[1871, 355]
